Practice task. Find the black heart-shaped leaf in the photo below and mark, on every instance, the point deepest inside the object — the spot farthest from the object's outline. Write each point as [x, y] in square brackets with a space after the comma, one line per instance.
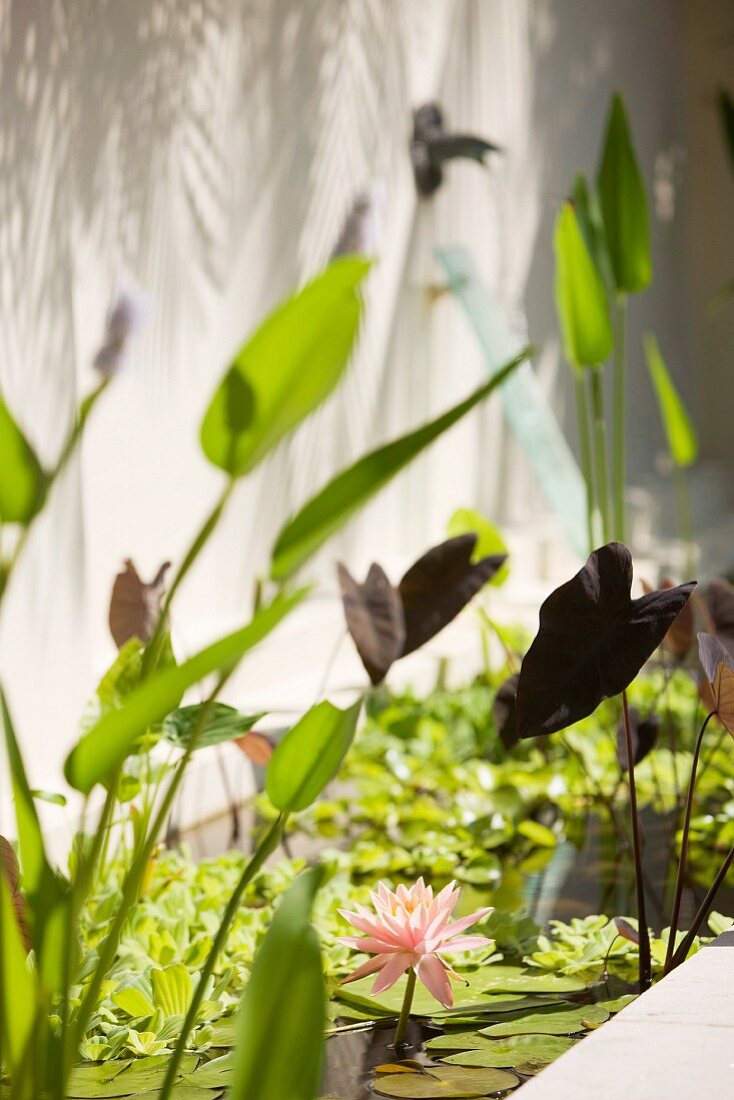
[504, 711]
[374, 614]
[679, 638]
[593, 640]
[134, 605]
[439, 585]
[644, 733]
[718, 667]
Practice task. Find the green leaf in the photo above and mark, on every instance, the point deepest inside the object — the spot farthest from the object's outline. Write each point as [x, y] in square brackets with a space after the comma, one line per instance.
[172, 990]
[281, 1028]
[286, 369]
[581, 298]
[442, 1081]
[17, 985]
[537, 833]
[549, 1021]
[107, 744]
[679, 430]
[22, 481]
[133, 1002]
[30, 839]
[624, 205]
[223, 724]
[352, 488]
[310, 755]
[466, 521]
[588, 215]
[515, 1051]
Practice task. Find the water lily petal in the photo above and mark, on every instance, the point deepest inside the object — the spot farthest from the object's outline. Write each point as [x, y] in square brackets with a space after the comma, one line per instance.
[366, 968]
[432, 973]
[394, 968]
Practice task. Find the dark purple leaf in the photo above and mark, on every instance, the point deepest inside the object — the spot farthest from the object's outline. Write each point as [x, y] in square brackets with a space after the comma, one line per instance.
[625, 929]
[439, 585]
[593, 640]
[374, 615]
[679, 638]
[503, 711]
[718, 667]
[644, 732]
[135, 605]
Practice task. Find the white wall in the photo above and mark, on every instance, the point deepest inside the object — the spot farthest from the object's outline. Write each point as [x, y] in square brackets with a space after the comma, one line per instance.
[210, 148]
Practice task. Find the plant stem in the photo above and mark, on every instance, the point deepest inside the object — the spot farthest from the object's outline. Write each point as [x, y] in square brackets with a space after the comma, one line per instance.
[582, 413]
[685, 944]
[151, 651]
[620, 395]
[600, 446]
[399, 1040]
[684, 848]
[645, 960]
[267, 845]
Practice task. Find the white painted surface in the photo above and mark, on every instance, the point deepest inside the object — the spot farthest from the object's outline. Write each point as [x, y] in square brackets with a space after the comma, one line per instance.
[674, 1043]
[211, 149]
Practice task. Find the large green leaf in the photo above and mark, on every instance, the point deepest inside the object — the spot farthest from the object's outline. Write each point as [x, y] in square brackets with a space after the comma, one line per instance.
[22, 481]
[352, 488]
[581, 299]
[17, 986]
[310, 755]
[286, 369]
[679, 430]
[624, 205]
[281, 1028]
[549, 1021]
[223, 724]
[514, 1051]
[443, 1081]
[106, 745]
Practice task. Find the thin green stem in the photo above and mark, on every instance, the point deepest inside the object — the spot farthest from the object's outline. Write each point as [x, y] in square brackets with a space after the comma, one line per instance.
[399, 1040]
[152, 649]
[642, 927]
[620, 417]
[267, 845]
[582, 413]
[600, 448]
[684, 848]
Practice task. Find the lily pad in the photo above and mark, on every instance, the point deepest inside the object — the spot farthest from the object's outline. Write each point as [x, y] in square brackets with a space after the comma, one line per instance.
[516, 979]
[618, 1003]
[539, 1049]
[554, 1021]
[98, 1082]
[460, 1040]
[444, 1082]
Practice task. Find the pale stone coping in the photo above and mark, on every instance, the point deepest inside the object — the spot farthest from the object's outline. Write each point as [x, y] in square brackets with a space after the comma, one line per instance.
[673, 1043]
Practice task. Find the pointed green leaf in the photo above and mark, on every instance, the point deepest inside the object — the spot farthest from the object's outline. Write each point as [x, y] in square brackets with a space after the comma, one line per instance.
[30, 839]
[133, 1001]
[281, 1026]
[588, 215]
[310, 755]
[624, 205]
[581, 299]
[679, 430]
[106, 745]
[22, 481]
[223, 724]
[286, 369]
[352, 488]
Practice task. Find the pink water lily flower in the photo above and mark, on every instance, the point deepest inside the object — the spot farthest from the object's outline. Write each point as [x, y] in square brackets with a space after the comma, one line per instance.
[410, 929]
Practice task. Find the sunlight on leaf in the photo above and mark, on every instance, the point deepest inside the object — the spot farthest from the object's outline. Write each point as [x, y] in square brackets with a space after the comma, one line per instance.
[581, 298]
[22, 481]
[624, 204]
[679, 431]
[310, 755]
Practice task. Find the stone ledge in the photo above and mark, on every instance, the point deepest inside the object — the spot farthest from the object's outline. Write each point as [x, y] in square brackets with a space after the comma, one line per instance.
[673, 1043]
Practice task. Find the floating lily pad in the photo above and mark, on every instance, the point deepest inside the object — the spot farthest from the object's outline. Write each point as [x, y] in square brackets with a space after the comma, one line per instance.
[516, 979]
[461, 1040]
[110, 1079]
[444, 1082]
[618, 1003]
[539, 1049]
[553, 1021]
